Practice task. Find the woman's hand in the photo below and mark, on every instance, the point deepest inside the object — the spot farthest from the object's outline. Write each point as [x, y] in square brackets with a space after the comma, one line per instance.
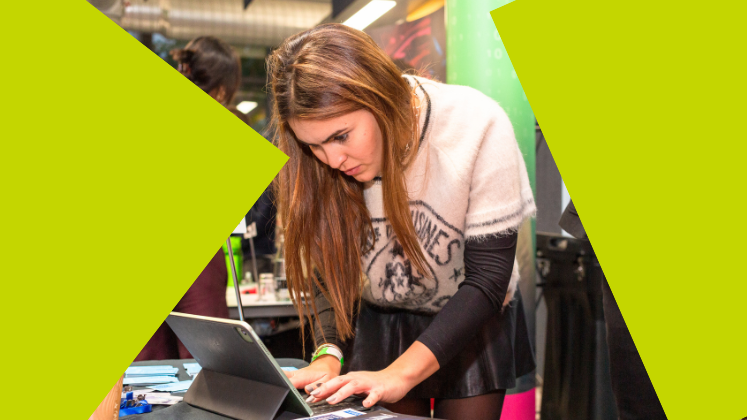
[388, 385]
[385, 385]
[318, 372]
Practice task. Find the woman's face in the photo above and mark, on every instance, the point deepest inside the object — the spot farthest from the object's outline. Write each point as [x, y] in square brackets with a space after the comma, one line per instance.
[351, 143]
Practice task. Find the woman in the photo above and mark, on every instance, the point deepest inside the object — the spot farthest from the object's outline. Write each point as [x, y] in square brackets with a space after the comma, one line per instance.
[214, 67]
[401, 201]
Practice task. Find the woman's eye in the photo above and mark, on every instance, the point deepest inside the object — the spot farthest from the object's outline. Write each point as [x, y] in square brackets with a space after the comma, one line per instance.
[342, 137]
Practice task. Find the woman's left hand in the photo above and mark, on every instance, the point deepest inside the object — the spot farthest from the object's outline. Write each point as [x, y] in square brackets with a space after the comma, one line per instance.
[383, 386]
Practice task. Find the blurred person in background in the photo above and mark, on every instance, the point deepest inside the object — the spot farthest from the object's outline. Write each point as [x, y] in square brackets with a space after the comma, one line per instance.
[263, 214]
[214, 67]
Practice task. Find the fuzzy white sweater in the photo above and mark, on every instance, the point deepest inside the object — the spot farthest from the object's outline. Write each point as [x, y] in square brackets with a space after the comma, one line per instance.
[468, 181]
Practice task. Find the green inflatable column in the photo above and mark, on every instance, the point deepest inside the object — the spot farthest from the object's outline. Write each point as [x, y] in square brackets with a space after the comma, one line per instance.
[476, 57]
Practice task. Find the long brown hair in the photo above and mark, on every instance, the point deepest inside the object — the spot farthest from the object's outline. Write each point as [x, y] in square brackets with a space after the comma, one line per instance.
[322, 73]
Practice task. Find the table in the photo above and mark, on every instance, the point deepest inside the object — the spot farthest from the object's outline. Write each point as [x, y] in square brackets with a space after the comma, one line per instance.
[255, 309]
[183, 410]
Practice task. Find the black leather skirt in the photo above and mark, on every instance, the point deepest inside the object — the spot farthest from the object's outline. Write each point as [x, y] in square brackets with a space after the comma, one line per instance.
[499, 354]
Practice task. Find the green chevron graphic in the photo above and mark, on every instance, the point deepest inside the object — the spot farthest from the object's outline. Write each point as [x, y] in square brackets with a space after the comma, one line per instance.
[119, 180]
[640, 103]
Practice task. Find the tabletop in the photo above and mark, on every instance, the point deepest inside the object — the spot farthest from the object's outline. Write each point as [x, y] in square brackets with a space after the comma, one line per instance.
[183, 410]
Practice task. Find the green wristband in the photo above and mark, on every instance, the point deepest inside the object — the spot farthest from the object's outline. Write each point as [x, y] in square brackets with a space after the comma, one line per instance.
[332, 351]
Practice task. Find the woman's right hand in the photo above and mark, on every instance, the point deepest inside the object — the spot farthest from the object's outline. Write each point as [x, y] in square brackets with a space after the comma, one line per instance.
[318, 372]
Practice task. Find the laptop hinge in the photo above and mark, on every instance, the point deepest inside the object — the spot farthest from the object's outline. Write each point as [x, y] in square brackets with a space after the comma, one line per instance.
[235, 397]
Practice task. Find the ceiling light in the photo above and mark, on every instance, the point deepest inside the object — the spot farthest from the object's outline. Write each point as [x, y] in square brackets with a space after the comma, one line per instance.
[246, 106]
[369, 13]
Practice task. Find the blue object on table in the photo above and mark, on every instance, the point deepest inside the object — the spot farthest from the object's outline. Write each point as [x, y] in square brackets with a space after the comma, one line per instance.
[142, 407]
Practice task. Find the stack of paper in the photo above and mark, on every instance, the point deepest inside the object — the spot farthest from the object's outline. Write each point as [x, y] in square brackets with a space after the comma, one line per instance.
[182, 386]
[163, 370]
[150, 375]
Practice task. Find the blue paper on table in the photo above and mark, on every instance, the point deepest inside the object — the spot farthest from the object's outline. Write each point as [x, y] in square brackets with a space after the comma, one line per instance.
[147, 380]
[175, 387]
[192, 368]
[135, 371]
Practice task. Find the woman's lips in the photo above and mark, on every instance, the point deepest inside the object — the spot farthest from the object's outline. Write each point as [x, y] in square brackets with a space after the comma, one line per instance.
[354, 171]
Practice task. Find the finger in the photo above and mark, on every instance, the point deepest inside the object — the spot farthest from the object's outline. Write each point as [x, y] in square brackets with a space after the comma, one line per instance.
[373, 397]
[311, 387]
[298, 380]
[301, 378]
[330, 387]
[352, 387]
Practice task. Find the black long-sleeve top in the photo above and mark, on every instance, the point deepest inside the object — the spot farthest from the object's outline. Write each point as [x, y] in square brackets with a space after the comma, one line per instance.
[488, 266]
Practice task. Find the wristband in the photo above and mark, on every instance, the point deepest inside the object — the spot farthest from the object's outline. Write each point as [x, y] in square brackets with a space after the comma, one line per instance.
[330, 349]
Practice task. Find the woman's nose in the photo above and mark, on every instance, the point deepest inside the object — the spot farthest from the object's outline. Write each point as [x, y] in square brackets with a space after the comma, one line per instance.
[335, 158]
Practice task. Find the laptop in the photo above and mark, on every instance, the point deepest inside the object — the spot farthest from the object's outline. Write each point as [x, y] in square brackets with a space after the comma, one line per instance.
[233, 350]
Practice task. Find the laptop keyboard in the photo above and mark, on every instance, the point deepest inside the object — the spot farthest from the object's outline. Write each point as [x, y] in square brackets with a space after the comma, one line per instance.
[322, 407]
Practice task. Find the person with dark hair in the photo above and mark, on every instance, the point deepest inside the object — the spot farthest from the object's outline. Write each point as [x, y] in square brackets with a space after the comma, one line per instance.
[400, 205]
[213, 66]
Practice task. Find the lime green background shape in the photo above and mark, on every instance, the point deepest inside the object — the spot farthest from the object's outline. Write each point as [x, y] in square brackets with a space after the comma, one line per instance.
[118, 186]
[641, 105]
